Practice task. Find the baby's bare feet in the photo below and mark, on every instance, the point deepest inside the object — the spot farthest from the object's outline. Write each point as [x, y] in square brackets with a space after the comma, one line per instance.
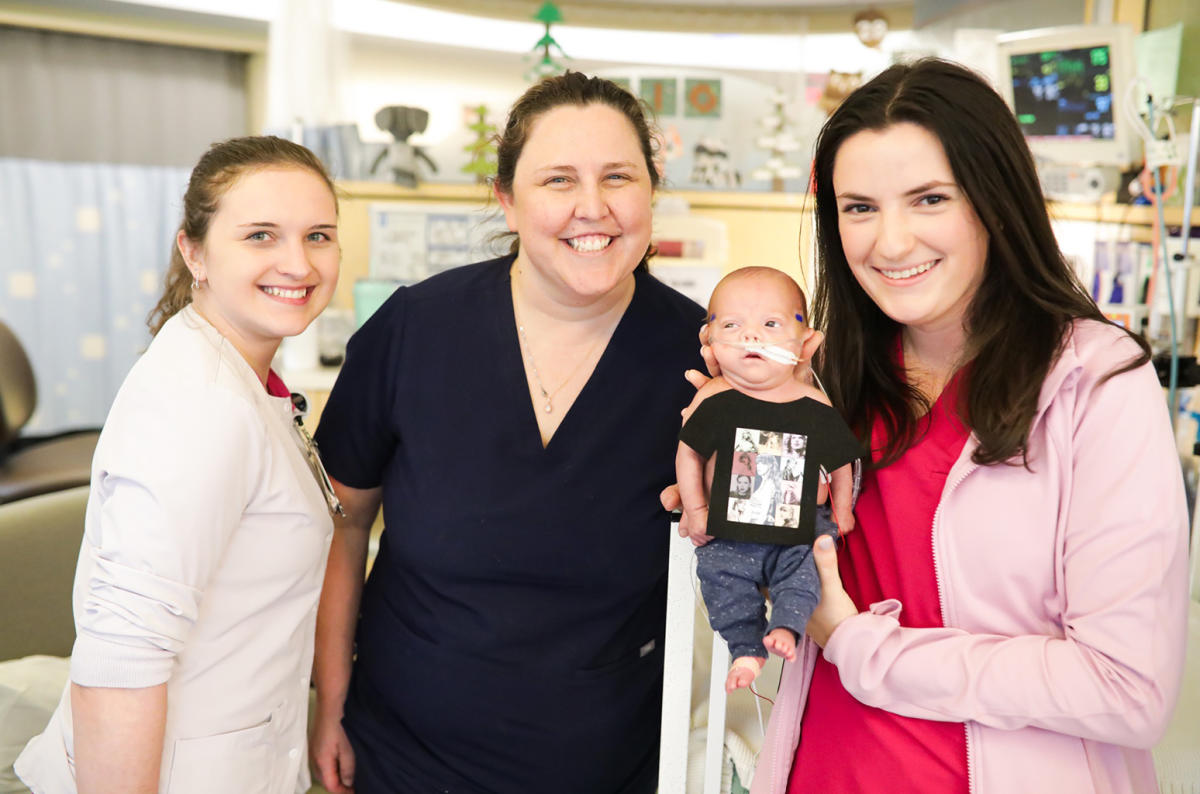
[743, 672]
[781, 642]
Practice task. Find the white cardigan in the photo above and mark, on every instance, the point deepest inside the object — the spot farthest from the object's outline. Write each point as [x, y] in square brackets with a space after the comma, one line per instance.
[202, 561]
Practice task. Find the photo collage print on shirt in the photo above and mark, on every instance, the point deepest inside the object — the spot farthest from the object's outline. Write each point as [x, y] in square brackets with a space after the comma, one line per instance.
[766, 477]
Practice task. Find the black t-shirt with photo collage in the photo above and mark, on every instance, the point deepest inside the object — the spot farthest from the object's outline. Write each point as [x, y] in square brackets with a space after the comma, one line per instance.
[764, 487]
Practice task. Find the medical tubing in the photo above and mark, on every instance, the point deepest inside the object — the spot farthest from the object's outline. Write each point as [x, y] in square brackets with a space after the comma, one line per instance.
[774, 351]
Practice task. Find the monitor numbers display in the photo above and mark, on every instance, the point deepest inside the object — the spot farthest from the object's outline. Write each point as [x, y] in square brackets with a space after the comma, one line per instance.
[1064, 94]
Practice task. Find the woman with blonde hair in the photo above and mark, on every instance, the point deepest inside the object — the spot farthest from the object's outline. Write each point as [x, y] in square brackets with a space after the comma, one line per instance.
[207, 527]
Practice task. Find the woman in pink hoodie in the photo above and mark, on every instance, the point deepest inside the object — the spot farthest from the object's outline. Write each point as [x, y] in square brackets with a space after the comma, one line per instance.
[1011, 607]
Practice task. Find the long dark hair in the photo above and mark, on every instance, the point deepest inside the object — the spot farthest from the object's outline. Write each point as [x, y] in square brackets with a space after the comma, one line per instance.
[572, 88]
[217, 169]
[1021, 315]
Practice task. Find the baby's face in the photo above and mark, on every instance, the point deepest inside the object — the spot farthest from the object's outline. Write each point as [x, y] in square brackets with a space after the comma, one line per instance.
[755, 310]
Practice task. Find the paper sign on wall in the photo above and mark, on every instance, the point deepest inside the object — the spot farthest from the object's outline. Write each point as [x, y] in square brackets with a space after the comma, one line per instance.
[410, 242]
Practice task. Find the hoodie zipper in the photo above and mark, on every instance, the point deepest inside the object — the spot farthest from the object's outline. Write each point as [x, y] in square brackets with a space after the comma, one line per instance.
[937, 577]
[1043, 404]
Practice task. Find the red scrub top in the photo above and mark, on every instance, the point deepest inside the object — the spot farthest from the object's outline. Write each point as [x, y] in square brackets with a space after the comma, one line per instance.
[846, 746]
[275, 385]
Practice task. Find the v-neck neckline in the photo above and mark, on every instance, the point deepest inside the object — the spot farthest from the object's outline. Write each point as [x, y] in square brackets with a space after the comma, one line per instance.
[514, 368]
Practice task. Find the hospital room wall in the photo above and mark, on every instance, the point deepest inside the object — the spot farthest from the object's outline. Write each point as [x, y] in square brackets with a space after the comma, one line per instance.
[762, 228]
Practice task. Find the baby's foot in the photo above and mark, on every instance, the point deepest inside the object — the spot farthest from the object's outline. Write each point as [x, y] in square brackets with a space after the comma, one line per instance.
[781, 642]
[743, 672]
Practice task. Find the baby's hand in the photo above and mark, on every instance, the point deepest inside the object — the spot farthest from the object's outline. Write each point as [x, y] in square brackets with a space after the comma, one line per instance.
[844, 517]
[842, 496]
[692, 525]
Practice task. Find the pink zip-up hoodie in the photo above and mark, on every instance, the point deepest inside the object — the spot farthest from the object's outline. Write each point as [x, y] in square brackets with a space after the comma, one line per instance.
[1063, 592]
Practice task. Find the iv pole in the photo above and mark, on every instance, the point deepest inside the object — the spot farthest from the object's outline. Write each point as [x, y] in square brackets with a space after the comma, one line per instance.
[1181, 258]
[1189, 182]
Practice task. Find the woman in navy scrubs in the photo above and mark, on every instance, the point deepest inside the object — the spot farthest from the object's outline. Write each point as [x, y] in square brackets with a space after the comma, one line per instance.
[517, 420]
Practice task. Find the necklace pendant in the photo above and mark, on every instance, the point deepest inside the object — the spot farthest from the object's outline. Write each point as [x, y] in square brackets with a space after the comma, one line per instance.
[548, 407]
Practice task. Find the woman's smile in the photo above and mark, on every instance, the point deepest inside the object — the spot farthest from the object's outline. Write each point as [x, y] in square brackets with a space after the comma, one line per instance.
[296, 296]
[589, 243]
[908, 273]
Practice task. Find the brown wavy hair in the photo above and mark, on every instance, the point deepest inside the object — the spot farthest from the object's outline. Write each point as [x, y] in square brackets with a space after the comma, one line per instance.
[1020, 317]
[572, 88]
[219, 167]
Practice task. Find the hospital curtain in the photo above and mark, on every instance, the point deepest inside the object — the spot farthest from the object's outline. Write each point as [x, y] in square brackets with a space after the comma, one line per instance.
[96, 139]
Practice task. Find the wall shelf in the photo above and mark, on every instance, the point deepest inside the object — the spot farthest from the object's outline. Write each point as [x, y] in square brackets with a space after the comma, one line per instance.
[764, 228]
[469, 193]
[741, 200]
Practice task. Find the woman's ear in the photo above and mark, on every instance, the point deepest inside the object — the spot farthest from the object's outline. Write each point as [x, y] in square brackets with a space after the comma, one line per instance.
[192, 253]
[506, 204]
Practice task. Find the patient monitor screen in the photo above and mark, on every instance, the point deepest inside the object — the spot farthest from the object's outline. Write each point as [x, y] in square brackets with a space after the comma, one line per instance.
[1064, 94]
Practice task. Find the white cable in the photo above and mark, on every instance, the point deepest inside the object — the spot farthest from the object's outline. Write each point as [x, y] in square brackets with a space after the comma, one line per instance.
[1159, 151]
[1132, 113]
[762, 727]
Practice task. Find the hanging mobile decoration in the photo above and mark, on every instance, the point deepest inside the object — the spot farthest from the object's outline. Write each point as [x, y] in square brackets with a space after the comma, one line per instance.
[546, 64]
[870, 26]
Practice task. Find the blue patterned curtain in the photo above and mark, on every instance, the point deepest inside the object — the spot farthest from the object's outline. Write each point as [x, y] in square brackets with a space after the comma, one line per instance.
[85, 248]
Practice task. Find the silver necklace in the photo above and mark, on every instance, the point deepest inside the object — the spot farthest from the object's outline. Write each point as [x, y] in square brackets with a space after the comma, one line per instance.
[547, 395]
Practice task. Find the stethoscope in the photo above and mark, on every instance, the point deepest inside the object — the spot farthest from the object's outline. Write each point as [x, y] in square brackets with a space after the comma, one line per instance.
[312, 454]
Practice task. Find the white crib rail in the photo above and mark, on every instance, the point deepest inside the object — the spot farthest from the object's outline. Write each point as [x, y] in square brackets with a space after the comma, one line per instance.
[677, 681]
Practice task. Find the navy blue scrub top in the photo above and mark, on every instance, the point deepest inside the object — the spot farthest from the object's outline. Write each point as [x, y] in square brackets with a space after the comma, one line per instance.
[511, 630]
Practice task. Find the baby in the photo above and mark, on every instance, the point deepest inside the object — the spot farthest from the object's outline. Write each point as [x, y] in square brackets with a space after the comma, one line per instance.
[749, 466]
